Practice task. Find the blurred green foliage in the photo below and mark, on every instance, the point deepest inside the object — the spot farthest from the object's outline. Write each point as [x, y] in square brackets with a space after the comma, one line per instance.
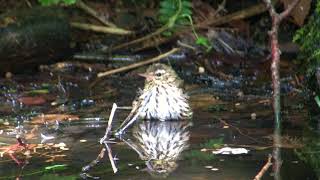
[54, 2]
[174, 13]
[308, 37]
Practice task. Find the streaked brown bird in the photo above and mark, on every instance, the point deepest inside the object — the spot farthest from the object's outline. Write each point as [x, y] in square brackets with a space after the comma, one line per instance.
[162, 98]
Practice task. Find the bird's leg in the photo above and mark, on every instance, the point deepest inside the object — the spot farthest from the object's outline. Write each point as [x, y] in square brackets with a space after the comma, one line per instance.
[129, 117]
[134, 118]
[134, 147]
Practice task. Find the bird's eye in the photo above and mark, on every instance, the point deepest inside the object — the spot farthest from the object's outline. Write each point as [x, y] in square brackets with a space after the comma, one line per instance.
[158, 74]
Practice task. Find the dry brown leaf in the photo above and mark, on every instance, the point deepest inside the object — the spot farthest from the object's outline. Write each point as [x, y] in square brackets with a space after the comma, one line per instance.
[44, 118]
[32, 100]
[300, 12]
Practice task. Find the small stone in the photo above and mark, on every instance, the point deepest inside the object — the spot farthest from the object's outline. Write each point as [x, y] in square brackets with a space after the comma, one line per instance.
[8, 75]
[253, 116]
[83, 140]
[201, 70]
[214, 169]
[64, 148]
[137, 167]
[240, 94]
[208, 167]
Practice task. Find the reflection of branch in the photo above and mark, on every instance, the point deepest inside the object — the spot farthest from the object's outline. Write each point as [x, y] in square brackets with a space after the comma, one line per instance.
[264, 169]
[100, 156]
[239, 130]
[113, 165]
[94, 162]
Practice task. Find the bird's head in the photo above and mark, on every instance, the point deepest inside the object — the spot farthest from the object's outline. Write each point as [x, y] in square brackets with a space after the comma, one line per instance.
[159, 74]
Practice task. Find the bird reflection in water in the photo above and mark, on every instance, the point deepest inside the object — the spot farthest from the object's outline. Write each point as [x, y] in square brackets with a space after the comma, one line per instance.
[159, 144]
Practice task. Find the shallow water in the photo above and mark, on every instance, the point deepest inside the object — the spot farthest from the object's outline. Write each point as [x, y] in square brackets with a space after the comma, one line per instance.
[149, 150]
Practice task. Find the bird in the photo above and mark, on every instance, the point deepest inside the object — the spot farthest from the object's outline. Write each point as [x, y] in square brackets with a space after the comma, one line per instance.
[162, 98]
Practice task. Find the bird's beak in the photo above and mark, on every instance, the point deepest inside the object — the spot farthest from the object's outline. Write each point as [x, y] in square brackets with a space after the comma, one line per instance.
[148, 77]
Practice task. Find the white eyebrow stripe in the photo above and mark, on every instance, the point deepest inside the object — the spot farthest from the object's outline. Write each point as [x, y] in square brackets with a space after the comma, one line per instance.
[161, 71]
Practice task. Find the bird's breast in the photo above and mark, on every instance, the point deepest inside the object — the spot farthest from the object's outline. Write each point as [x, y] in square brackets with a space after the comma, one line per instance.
[163, 103]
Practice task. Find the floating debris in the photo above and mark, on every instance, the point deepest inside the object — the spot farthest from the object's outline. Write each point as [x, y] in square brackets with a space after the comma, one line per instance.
[229, 150]
[45, 138]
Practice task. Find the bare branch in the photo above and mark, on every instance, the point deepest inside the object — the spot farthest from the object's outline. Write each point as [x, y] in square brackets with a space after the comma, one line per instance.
[132, 66]
[288, 10]
[270, 7]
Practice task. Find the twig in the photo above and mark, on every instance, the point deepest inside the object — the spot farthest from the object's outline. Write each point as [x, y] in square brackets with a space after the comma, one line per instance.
[103, 29]
[125, 107]
[135, 65]
[113, 165]
[162, 29]
[275, 74]
[214, 21]
[28, 3]
[264, 169]
[94, 13]
[113, 110]
[157, 32]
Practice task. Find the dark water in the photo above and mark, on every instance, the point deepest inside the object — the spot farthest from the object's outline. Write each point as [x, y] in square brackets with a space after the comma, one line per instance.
[149, 150]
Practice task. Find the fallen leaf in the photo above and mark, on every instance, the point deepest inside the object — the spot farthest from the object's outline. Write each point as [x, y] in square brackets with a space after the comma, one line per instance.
[32, 100]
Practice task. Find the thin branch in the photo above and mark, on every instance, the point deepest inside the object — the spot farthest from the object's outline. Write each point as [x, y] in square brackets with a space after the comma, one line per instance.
[135, 65]
[270, 7]
[264, 169]
[275, 74]
[157, 32]
[80, 4]
[113, 110]
[103, 29]
[288, 9]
